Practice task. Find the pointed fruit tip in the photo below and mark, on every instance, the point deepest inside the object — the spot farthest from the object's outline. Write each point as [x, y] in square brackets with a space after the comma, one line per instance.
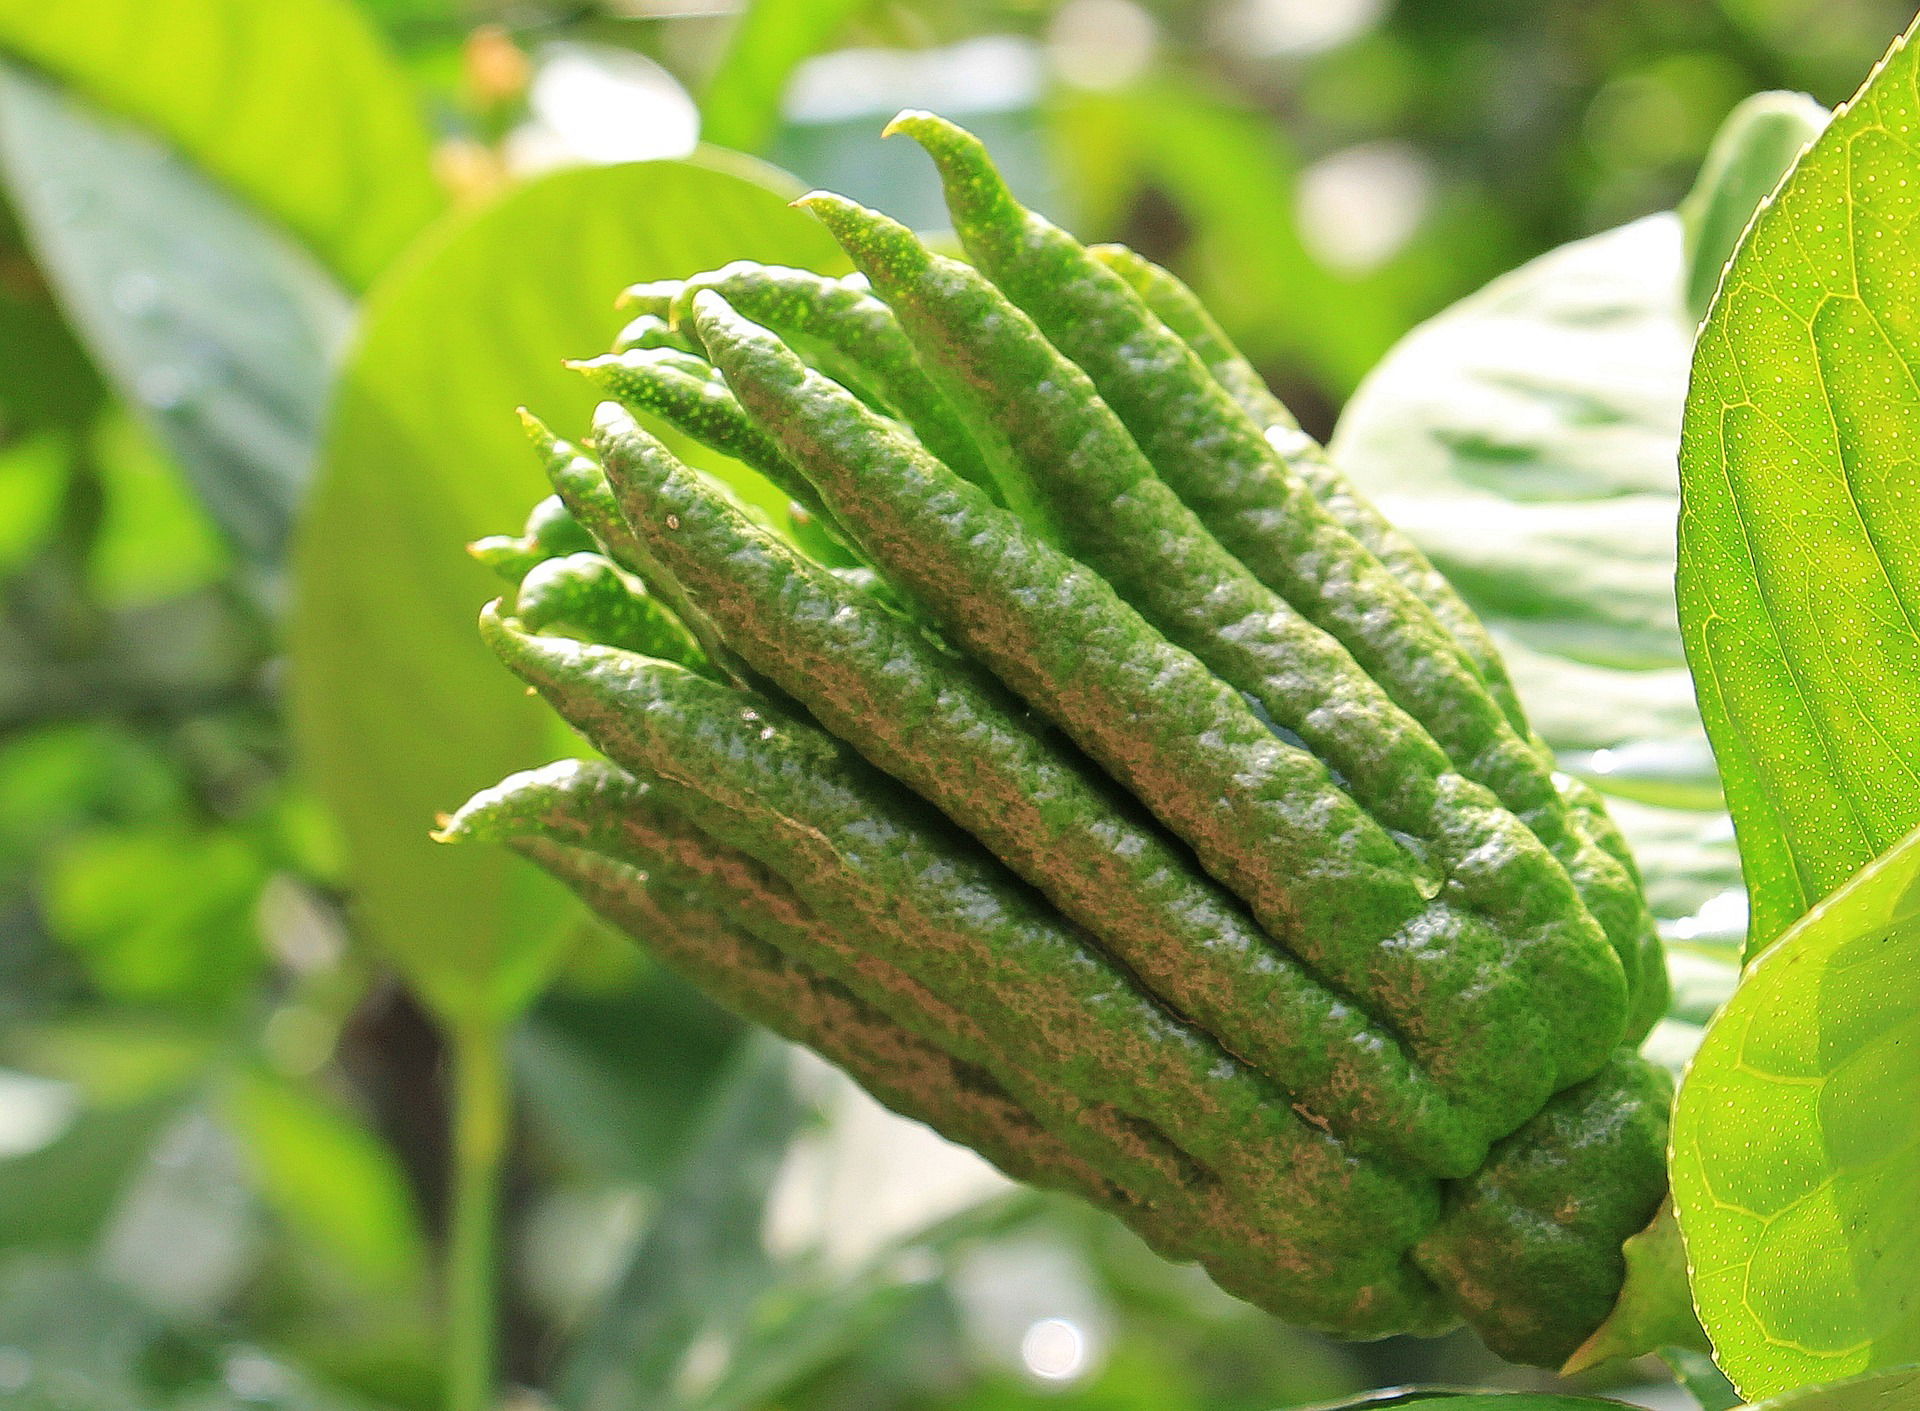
[920, 122]
[706, 308]
[612, 421]
[609, 413]
[496, 626]
[646, 295]
[944, 140]
[819, 200]
[484, 547]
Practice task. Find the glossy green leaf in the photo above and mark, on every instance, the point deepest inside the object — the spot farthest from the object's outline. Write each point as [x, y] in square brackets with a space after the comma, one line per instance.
[295, 106]
[1796, 1145]
[400, 712]
[1799, 574]
[1880, 1391]
[741, 105]
[1526, 438]
[216, 326]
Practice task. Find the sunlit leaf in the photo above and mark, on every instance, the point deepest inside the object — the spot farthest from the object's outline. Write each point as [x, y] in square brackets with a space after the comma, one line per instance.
[294, 106]
[59, 776]
[400, 712]
[1796, 1145]
[1799, 575]
[33, 474]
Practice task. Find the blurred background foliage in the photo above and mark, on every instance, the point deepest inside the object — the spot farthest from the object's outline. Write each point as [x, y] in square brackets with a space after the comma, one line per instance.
[241, 240]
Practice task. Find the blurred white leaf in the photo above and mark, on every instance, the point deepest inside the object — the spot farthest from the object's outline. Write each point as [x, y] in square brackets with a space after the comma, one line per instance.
[596, 105]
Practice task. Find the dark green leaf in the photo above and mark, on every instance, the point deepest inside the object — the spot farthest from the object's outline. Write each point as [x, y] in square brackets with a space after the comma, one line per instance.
[401, 713]
[1799, 575]
[1704, 1382]
[49, 383]
[186, 1235]
[616, 1081]
[72, 1340]
[788, 1277]
[1795, 1145]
